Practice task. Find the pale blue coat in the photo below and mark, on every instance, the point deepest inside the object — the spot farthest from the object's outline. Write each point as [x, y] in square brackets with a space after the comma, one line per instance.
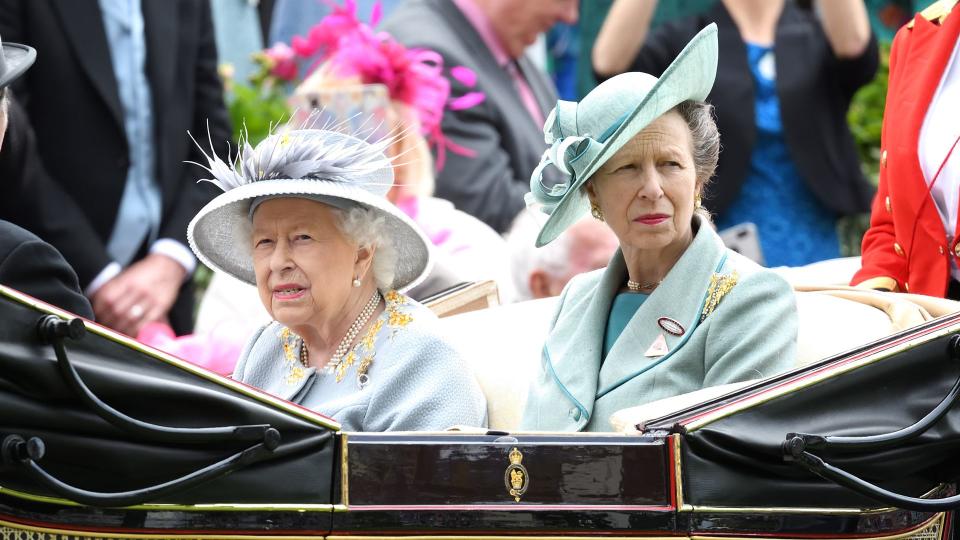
[417, 380]
[750, 334]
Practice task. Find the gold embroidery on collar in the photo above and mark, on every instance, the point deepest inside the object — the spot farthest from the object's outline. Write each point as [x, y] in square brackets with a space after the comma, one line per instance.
[291, 360]
[296, 375]
[396, 319]
[365, 347]
[395, 298]
[341, 369]
[371, 336]
[720, 285]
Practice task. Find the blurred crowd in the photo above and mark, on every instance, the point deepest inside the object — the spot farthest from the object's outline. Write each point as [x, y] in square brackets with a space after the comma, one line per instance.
[98, 162]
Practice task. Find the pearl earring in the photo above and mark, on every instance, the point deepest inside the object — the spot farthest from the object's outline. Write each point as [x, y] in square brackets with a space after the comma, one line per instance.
[357, 282]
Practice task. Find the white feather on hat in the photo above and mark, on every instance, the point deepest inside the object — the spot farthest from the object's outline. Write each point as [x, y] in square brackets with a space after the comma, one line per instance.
[316, 164]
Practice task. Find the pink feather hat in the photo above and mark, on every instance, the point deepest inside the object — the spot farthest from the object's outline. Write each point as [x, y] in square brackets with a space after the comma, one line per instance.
[414, 77]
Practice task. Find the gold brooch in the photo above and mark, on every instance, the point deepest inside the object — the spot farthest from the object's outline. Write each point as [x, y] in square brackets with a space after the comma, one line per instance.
[516, 477]
[720, 285]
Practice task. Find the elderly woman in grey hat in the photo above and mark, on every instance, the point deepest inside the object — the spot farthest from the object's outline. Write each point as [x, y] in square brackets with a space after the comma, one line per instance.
[675, 310]
[304, 217]
[14, 60]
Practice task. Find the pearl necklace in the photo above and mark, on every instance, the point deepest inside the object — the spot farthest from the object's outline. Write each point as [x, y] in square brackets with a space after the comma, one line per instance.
[348, 338]
[636, 286]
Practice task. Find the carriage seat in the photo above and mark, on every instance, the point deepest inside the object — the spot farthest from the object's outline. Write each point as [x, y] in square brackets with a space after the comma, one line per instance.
[502, 344]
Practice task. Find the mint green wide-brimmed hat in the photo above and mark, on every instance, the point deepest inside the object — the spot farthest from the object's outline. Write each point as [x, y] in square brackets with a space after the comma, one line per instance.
[583, 136]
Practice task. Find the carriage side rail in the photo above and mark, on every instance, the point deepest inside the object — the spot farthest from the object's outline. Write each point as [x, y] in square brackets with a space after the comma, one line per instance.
[26, 453]
[53, 330]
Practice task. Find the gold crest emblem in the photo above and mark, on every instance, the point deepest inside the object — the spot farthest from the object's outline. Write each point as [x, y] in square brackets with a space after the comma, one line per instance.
[516, 477]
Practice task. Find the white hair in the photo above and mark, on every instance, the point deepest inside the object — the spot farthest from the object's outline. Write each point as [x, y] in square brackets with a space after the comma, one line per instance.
[553, 258]
[4, 104]
[365, 227]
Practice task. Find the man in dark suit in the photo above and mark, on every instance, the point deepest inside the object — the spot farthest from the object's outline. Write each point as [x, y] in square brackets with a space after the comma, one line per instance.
[27, 263]
[34, 267]
[504, 134]
[139, 75]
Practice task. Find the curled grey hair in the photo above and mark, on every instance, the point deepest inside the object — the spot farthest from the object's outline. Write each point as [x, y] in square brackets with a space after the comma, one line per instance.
[706, 143]
[706, 137]
[365, 227]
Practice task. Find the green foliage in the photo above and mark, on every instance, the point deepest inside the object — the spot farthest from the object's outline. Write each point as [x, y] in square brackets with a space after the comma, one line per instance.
[257, 108]
[201, 280]
[865, 119]
[865, 116]
[257, 105]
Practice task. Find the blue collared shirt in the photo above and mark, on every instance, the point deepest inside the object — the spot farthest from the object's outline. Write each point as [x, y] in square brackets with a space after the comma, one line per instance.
[138, 219]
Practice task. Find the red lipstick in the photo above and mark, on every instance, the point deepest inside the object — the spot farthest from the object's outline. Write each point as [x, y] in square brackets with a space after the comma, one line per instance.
[652, 219]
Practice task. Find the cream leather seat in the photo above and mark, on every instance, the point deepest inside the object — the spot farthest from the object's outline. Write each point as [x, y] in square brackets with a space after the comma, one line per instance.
[837, 319]
[502, 345]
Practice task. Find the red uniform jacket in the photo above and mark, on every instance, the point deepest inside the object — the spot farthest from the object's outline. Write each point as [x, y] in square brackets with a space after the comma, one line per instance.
[906, 248]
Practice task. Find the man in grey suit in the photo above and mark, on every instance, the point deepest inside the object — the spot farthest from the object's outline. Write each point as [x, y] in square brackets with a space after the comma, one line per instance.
[504, 133]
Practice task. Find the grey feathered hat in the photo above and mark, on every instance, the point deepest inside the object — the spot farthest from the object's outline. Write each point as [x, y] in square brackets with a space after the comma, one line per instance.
[325, 166]
[16, 58]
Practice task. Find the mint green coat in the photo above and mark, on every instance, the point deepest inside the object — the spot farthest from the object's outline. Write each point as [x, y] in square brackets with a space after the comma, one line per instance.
[750, 333]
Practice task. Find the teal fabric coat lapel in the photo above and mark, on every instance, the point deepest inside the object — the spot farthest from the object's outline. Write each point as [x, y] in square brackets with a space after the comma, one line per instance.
[574, 362]
[749, 333]
[571, 354]
[680, 297]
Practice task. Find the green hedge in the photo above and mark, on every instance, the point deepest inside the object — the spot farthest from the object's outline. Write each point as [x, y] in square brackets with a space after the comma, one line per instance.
[866, 121]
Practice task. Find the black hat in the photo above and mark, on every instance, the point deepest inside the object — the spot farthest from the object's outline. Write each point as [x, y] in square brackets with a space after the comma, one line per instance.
[16, 58]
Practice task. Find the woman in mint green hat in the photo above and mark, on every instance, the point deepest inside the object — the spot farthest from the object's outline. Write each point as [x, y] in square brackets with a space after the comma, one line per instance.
[675, 310]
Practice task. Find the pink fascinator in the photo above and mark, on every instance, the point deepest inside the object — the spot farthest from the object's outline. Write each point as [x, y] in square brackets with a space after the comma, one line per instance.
[414, 77]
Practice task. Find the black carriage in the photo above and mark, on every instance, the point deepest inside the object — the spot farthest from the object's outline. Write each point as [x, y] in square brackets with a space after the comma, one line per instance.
[103, 438]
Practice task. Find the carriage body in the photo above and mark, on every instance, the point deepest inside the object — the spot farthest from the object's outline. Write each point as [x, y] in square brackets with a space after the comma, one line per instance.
[715, 468]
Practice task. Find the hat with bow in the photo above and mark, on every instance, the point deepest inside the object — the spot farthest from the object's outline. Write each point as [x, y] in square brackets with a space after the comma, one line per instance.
[584, 135]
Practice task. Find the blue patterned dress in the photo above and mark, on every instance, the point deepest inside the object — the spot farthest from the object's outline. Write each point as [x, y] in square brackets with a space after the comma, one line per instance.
[794, 227]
